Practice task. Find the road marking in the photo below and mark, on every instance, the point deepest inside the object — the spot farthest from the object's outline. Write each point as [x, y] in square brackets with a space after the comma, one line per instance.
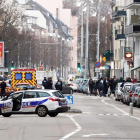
[86, 112]
[94, 135]
[108, 114]
[74, 132]
[124, 113]
[115, 107]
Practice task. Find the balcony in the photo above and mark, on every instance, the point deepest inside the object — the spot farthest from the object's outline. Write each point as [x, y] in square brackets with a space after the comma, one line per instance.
[119, 12]
[132, 4]
[119, 35]
[132, 30]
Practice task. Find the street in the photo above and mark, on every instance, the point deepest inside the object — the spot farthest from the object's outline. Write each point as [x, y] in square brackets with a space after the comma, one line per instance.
[101, 118]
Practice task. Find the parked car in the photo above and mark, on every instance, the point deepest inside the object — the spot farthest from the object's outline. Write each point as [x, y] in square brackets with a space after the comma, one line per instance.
[66, 89]
[130, 92]
[118, 91]
[81, 85]
[74, 84]
[135, 96]
[86, 87]
[125, 88]
[138, 98]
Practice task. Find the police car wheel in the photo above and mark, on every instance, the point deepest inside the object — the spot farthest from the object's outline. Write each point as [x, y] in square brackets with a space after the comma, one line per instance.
[53, 114]
[42, 111]
[6, 115]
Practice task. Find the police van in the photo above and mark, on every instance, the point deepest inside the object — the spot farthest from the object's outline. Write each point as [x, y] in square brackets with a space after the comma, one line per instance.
[41, 102]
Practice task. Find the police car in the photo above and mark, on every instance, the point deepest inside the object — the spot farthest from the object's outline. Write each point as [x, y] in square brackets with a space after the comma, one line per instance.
[41, 102]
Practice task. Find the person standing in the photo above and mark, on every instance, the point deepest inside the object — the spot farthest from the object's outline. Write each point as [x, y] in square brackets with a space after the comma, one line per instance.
[49, 83]
[61, 85]
[91, 85]
[105, 87]
[58, 85]
[3, 87]
[44, 83]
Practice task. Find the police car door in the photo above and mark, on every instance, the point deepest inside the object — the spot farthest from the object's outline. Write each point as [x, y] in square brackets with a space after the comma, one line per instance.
[7, 105]
[30, 101]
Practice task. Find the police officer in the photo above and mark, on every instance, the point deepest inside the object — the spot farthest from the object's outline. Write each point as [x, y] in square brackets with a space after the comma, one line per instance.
[3, 86]
[44, 83]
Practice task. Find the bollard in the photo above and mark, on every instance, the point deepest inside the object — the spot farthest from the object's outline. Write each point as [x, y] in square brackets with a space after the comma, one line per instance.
[131, 109]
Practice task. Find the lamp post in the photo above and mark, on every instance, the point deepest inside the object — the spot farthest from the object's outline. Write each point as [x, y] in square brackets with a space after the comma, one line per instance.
[98, 45]
[87, 39]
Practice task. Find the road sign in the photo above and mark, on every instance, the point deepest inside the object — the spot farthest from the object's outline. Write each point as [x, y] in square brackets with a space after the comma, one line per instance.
[40, 68]
[97, 64]
[104, 59]
[83, 66]
[97, 69]
[69, 99]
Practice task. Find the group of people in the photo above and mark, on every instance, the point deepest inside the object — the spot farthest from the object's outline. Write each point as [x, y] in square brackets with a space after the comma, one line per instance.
[48, 84]
[101, 86]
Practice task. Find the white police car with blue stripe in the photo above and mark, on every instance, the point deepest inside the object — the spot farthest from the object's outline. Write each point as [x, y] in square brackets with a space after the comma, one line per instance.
[41, 102]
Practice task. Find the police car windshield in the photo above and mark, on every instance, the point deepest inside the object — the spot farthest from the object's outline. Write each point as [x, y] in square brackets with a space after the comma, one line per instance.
[22, 86]
[58, 94]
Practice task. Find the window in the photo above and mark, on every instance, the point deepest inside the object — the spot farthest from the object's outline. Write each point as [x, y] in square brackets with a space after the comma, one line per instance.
[30, 94]
[58, 94]
[28, 76]
[43, 94]
[18, 76]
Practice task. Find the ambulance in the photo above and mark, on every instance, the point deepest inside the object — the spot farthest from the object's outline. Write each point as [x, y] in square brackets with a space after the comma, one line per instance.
[23, 77]
[20, 79]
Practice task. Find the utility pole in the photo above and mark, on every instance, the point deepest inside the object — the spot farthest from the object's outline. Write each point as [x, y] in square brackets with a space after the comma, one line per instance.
[82, 34]
[87, 38]
[98, 45]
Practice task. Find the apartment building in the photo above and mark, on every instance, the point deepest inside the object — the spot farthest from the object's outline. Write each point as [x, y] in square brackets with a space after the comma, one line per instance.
[132, 31]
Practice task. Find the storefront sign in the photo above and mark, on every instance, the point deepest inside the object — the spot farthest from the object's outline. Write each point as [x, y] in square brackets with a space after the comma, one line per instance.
[1, 54]
[128, 56]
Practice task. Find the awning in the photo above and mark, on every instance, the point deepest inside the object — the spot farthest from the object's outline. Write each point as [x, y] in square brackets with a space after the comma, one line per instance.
[135, 68]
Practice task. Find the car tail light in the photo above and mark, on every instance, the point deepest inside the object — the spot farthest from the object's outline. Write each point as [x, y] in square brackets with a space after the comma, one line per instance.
[130, 95]
[135, 94]
[130, 92]
[71, 84]
[139, 95]
[54, 99]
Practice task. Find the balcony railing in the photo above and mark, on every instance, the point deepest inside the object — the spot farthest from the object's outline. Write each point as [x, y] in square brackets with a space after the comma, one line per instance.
[119, 35]
[119, 12]
[132, 4]
[132, 30]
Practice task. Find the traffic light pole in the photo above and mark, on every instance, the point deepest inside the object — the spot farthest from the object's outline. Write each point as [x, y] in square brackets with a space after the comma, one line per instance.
[82, 35]
[87, 37]
[98, 44]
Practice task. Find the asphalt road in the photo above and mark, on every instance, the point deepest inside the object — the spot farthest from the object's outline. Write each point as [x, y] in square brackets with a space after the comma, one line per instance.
[102, 119]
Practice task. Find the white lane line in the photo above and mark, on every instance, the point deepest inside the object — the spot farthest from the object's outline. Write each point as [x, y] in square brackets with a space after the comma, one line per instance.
[115, 107]
[86, 112]
[75, 131]
[124, 113]
[94, 135]
[100, 114]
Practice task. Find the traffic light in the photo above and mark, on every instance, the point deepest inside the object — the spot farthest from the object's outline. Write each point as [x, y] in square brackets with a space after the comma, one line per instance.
[12, 65]
[107, 55]
[78, 67]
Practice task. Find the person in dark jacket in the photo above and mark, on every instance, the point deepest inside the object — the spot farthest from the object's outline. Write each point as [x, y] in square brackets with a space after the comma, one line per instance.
[95, 88]
[3, 87]
[105, 87]
[49, 83]
[114, 86]
[61, 85]
[44, 83]
[100, 87]
[58, 85]
[91, 85]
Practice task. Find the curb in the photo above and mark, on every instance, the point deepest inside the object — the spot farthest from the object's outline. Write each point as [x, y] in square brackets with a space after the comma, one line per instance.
[74, 111]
